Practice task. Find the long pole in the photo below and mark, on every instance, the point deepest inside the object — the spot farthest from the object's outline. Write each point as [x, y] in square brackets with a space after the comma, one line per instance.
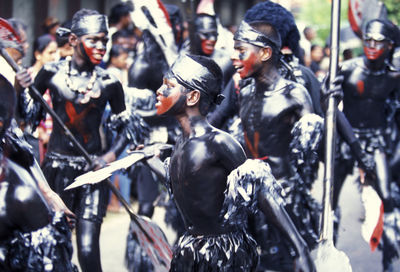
[330, 126]
[190, 14]
[81, 149]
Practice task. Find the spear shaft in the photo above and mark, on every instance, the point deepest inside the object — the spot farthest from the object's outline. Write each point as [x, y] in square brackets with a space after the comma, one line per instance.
[330, 126]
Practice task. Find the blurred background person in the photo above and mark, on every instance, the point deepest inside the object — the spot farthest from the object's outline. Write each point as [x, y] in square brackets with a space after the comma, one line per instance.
[317, 55]
[118, 19]
[50, 26]
[211, 39]
[306, 42]
[65, 50]
[324, 64]
[127, 39]
[347, 54]
[45, 50]
[117, 65]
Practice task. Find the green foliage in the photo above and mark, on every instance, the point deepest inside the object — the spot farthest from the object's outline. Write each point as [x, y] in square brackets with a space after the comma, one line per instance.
[317, 13]
[393, 7]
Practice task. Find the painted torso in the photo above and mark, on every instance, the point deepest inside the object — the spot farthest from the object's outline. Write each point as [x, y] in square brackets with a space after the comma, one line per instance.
[365, 94]
[268, 117]
[199, 168]
[82, 115]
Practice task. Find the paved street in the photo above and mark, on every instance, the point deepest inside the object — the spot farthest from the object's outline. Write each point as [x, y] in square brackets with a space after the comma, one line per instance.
[114, 232]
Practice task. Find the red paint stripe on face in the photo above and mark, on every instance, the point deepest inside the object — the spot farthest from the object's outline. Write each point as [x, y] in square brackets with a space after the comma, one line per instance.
[248, 65]
[373, 53]
[208, 47]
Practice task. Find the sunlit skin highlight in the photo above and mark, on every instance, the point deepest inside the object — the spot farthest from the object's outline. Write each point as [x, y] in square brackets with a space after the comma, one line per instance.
[374, 49]
[168, 95]
[94, 46]
[208, 46]
[244, 59]
[50, 53]
[208, 41]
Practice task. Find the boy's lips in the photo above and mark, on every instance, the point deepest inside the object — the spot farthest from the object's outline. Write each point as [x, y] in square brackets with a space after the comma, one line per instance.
[238, 68]
[158, 101]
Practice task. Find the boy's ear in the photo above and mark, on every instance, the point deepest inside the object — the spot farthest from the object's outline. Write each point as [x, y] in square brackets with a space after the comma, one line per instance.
[37, 55]
[73, 39]
[266, 53]
[192, 98]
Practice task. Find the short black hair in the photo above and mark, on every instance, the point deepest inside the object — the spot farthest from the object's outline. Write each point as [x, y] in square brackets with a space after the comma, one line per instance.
[17, 25]
[82, 13]
[280, 18]
[115, 51]
[307, 30]
[314, 46]
[124, 33]
[42, 42]
[118, 11]
[62, 37]
[206, 101]
[271, 32]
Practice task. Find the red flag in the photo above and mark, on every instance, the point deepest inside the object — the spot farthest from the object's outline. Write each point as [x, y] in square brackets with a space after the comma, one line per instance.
[8, 35]
[158, 250]
[354, 14]
[377, 233]
[361, 11]
[372, 227]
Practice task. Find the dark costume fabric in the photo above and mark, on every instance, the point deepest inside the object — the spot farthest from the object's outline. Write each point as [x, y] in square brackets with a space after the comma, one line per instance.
[305, 147]
[148, 68]
[234, 251]
[136, 259]
[296, 182]
[146, 73]
[369, 83]
[89, 201]
[303, 75]
[46, 249]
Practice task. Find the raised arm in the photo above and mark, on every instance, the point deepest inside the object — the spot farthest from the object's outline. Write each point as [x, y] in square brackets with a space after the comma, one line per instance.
[130, 128]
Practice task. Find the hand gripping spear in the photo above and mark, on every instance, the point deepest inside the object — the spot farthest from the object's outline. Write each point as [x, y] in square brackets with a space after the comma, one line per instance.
[328, 258]
[150, 236]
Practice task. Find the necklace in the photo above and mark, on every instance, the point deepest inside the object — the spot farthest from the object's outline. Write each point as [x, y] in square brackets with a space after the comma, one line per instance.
[73, 86]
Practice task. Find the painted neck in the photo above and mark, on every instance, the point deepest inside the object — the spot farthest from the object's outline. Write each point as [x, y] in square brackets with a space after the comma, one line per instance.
[267, 77]
[81, 64]
[193, 125]
[374, 65]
